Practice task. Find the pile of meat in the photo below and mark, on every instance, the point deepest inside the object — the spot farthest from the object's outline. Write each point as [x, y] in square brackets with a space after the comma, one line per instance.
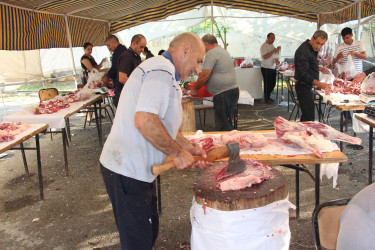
[8, 131]
[60, 102]
[346, 87]
[254, 173]
[245, 139]
[310, 135]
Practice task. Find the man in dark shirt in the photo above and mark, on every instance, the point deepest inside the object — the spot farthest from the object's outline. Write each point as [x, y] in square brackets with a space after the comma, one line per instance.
[116, 48]
[307, 73]
[127, 62]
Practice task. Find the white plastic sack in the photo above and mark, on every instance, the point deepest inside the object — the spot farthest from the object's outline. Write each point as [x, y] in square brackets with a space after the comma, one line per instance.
[261, 228]
[247, 63]
[288, 73]
[358, 126]
[347, 70]
[326, 78]
[368, 85]
[330, 170]
[94, 76]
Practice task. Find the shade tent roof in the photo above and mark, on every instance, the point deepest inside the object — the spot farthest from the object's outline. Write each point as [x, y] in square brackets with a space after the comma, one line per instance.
[35, 24]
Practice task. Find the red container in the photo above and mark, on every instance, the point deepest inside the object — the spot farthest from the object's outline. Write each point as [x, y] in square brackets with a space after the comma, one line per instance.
[238, 61]
[202, 92]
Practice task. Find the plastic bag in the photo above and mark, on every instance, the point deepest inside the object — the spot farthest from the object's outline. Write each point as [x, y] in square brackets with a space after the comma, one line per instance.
[347, 70]
[84, 94]
[326, 78]
[95, 78]
[248, 63]
[368, 85]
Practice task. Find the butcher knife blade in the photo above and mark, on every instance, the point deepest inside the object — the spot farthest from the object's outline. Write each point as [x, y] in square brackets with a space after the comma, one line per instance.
[212, 155]
[235, 164]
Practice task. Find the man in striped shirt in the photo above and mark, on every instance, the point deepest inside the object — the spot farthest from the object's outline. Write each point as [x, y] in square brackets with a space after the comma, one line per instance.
[350, 47]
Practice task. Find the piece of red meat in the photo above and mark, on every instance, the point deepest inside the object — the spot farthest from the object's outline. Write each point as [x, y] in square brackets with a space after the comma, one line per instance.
[254, 173]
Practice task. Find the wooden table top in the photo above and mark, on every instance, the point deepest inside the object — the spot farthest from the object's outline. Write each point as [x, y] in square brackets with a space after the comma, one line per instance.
[366, 119]
[328, 157]
[37, 128]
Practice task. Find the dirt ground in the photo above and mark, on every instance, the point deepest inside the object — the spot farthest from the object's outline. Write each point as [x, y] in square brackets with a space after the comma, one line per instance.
[76, 212]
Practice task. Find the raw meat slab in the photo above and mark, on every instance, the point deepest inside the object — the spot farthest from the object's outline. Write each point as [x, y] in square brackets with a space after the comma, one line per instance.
[258, 195]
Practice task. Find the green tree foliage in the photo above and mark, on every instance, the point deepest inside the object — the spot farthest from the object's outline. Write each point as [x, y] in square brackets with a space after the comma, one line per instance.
[205, 27]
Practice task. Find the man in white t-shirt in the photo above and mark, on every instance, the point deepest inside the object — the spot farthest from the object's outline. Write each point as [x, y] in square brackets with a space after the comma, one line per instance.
[350, 47]
[144, 133]
[269, 56]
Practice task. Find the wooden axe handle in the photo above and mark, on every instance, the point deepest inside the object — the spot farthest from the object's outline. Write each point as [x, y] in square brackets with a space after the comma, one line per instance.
[212, 155]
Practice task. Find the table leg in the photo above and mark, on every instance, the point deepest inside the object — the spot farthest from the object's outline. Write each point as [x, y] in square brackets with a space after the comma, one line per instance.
[317, 184]
[98, 126]
[24, 160]
[370, 155]
[40, 175]
[341, 128]
[297, 194]
[159, 194]
[320, 115]
[64, 138]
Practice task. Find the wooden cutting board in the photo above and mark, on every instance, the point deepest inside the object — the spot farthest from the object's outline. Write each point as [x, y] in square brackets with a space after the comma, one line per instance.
[206, 193]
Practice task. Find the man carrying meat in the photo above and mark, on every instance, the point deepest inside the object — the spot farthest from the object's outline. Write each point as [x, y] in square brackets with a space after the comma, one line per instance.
[220, 79]
[269, 57]
[144, 133]
[127, 62]
[307, 73]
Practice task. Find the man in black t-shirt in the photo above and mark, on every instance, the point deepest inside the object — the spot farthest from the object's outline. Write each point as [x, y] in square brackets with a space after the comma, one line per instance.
[127, 62]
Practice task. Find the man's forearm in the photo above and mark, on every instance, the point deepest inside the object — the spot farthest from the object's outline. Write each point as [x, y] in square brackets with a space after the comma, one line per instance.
[150, 126]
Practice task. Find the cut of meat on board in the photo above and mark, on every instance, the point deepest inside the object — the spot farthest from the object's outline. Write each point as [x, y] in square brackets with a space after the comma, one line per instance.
[310, 135]
[245, 139]
[300, 139]
[282, 126]
[206, 142]
[255, 173]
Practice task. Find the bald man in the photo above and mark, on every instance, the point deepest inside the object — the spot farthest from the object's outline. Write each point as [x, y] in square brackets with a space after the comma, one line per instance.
[127, 62]
[219, 77]
[113, 45]
[144, 133]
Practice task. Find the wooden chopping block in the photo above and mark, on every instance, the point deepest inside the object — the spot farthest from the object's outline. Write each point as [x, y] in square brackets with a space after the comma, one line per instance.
[258, 195]
[188, 116]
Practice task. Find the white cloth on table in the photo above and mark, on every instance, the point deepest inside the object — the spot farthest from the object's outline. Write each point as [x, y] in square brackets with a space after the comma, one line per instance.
[330, 170]
[260, 228]
[245, 98]
[358, 126]
[54, 120]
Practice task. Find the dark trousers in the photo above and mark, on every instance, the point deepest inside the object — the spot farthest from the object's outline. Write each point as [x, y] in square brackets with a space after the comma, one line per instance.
[225, 106]
[135, 210]
[269, 79]
[305, 97]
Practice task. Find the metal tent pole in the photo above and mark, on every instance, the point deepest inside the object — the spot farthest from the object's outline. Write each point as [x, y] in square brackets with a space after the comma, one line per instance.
[212, 17]
[359, 19]
[71, 49]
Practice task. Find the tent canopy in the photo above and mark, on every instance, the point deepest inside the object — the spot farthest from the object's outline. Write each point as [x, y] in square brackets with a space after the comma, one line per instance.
[36, 24]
